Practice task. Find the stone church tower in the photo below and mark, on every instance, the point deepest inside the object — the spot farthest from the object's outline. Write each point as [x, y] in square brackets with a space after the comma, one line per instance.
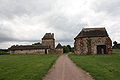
[48, 40]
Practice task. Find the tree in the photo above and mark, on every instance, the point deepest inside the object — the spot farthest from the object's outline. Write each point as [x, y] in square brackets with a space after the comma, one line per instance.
[69, 48]
[72, 49]
[116, 45]
[38, 43]
[66, 49]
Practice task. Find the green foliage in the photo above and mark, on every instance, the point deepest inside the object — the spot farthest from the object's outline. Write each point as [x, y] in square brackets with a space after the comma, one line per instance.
[25, 67]
[3, 51]
[101, 67]
[116, 52]
[38, 43]
[116, 45]
[67, 49]
[72, 49]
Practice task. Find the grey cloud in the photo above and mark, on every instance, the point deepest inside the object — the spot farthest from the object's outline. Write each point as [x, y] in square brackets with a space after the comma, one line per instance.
[62, 23]
[5, 37]
[45, 16]
[9, 9]
[5, 34]
[111, 7]
[65, 28]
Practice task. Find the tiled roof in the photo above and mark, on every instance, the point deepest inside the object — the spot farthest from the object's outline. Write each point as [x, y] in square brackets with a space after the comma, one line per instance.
[48, 36]
[59, 46]
[28, 47]
[92, 32]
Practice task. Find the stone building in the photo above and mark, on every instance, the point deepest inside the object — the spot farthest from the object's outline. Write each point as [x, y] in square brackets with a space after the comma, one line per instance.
[48, 40]
[92, 41]
[59, 49]
[46, 47]
[29, 49]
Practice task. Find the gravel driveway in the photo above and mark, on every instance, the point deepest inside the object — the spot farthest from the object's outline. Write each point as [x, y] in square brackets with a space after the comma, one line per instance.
[65, 69]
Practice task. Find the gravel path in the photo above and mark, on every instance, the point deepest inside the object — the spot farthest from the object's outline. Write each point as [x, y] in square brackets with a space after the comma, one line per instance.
[65, 69]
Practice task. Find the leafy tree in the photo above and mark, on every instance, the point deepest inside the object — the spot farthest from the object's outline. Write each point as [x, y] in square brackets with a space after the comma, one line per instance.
[3, 51]
[116, 45]
[67, 49]
[72, 49]
[38, 43]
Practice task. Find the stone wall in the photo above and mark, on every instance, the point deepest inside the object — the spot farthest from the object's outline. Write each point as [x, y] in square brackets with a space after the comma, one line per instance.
[51, 51]
[40, 51]
[49, 42]
[89, 45]
[59, 51]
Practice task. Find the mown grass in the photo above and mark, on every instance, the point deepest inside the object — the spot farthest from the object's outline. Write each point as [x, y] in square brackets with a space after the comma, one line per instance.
[25, 67]
[101, 67]
[116, 52]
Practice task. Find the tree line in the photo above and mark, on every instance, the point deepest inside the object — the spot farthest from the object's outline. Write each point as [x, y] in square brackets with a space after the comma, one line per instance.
[67, 49]
[116, 45]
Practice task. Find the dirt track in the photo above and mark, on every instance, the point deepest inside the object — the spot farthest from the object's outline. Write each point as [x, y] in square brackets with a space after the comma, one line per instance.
[65, 69]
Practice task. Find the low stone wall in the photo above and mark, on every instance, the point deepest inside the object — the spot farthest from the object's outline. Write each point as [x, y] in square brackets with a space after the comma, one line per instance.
[40, 51]
[59, 51]
[115, 49]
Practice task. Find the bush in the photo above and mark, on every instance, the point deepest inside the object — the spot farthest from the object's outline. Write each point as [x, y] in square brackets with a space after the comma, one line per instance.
[3, 52]
[67, 49]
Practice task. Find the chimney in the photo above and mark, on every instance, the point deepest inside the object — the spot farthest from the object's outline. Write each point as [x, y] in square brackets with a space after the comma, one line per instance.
[53, 35]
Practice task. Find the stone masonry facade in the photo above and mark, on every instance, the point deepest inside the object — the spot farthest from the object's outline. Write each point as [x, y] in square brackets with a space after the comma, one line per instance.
[89, 45]
[46, 47]
[93, 43]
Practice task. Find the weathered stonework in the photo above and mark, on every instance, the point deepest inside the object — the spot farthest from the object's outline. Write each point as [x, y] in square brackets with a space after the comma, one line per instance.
[92, 45]
[46, 47]
[48, 40]
[59, 49]
[40, 51]
[83, 46]
[50, 43]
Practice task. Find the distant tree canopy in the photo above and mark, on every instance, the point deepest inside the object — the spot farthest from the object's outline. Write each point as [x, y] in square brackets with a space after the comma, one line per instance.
[116, 45]
[67, 49]
[3, 51]
[38, 43]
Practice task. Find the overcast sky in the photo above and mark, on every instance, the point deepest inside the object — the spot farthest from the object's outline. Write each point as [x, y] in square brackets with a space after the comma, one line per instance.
[26, 21]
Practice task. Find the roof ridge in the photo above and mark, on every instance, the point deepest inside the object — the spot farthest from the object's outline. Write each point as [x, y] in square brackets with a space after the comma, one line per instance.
[92, 32]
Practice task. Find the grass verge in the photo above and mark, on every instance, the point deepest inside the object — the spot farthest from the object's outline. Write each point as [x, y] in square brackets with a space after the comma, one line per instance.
[25, 67]
[101, 67]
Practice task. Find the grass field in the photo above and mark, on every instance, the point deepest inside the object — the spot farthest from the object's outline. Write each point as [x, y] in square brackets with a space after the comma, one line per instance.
[25, 67]
[116, 52]
[101, 67]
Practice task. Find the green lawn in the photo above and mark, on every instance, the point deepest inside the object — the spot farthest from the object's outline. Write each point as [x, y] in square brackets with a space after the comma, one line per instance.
[101, 67]
[116, 52]
[25, 67]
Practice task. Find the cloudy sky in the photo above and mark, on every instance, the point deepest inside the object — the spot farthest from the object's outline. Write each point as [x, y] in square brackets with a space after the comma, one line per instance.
[26, 21]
